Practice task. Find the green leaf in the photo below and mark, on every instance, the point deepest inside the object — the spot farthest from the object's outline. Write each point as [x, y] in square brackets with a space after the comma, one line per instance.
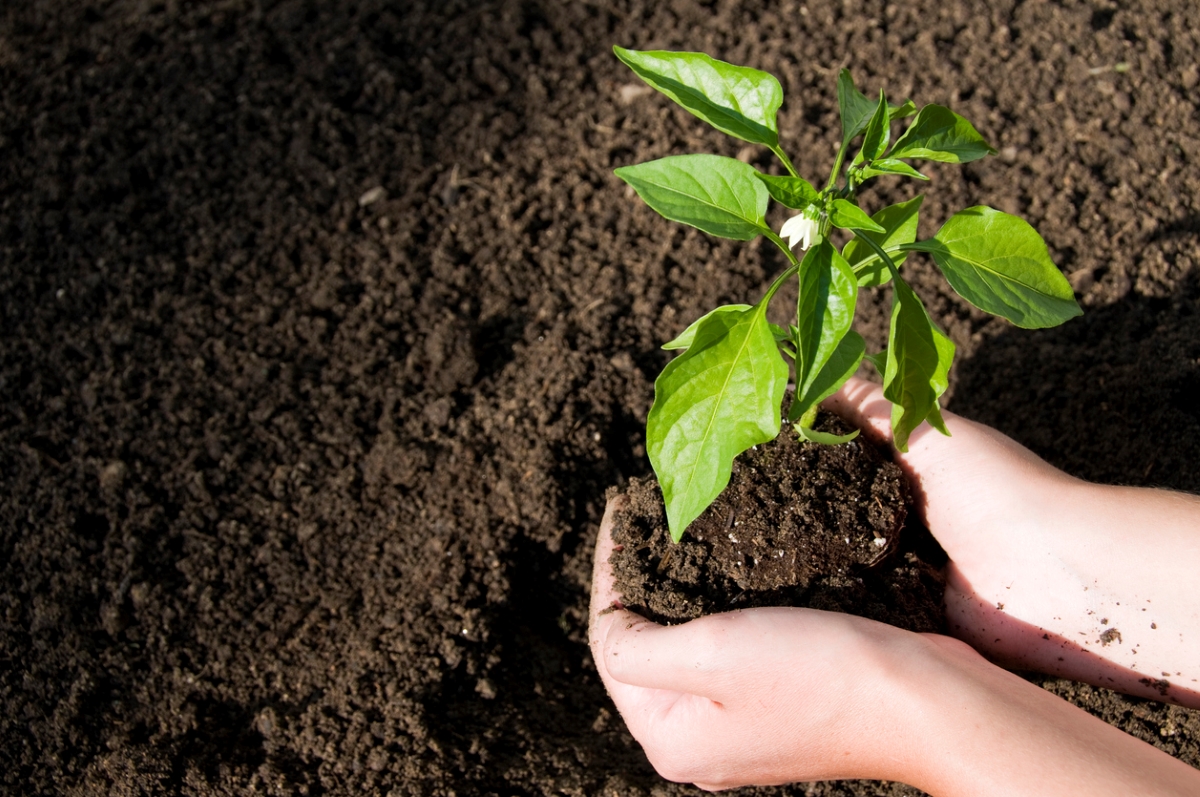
[903, 111]
[856, 110]
[918, 365]
[900, 224]
[824, 312]
[889, 166]
[793, 192]
[877, 133]
[737, 100]
[721, 196]
[939, 134]
[824, 438]
[845, 214]
[1000, 264]
[854, 107]
[878, 360]
[685, 338]
[840, 367]
[712, 403]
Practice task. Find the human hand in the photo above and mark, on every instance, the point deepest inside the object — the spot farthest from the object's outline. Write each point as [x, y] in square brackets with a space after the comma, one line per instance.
[754, 697]
[1048, 572]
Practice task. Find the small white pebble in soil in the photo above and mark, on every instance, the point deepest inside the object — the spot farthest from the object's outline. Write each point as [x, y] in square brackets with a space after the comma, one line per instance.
[881, 541]
[732, 538]
[847, 540]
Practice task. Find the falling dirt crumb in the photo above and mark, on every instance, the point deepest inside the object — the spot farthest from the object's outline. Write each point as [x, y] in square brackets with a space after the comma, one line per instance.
[1110, 636]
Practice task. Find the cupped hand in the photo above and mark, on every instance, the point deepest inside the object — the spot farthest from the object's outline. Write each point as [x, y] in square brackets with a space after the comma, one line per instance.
[1048, 572]
[754, 697]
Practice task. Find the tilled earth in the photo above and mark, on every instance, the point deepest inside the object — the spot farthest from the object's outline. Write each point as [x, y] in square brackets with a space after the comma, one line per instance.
[325, 327]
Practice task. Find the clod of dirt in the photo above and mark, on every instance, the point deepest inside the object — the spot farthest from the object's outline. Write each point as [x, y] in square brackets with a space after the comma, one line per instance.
[800, 524]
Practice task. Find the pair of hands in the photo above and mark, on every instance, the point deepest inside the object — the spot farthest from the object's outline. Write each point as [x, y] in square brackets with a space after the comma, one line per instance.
[770, 696]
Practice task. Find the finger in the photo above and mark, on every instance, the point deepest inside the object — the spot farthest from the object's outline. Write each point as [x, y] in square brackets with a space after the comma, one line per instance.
[604, 592]
[698, 657]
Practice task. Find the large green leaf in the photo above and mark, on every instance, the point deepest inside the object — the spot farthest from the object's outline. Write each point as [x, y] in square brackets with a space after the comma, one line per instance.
[711, 403]
[939, 134]
[919, 356]
[824, 312]
[719, 195]
[900, 223]
[685, 338]
[792, 192]
[1001, 265]
[737, 100]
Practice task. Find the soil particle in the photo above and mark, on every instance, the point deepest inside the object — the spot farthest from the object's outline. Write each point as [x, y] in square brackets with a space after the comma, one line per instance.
[363, 447]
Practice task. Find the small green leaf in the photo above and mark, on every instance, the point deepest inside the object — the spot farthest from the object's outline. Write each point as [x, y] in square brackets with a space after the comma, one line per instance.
[824, 313]
[903, 111]
[824, 438]
[854, 107]
[845, 214]
[737, 100]
[856, 110]
[685, 338]
[781, 334]
[1000, 264]
[939, 134]
[711, 403]
[878, 360]
[877, 133]
[890, 166]
[721, 196]
[900, 224]
[793, 192]
[917, 369]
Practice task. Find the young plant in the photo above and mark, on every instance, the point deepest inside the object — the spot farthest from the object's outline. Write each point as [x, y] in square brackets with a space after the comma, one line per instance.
[723, 394]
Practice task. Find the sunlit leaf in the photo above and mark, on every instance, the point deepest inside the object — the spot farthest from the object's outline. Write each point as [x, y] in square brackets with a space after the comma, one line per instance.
[939, 134]
[849, 216]
[737, 100]
[711, 403]
[1001, 265]
[721, 196]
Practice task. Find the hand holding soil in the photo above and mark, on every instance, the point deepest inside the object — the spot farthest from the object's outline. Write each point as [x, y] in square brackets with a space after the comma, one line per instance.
[1050, 573]
[775, 695]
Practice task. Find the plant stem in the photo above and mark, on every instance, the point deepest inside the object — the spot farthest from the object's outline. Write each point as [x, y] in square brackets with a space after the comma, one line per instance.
[880, 252]
[837, 166]
[787, 163]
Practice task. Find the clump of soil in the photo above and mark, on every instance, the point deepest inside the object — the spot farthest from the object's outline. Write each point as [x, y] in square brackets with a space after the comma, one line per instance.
[800, 524]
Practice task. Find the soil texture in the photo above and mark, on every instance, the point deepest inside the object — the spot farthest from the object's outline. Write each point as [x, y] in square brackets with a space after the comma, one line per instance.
[800, 524]
[325, 327]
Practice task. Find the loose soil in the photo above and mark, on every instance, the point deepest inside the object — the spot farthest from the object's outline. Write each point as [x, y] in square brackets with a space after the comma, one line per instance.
[800, 524]
[326, 327]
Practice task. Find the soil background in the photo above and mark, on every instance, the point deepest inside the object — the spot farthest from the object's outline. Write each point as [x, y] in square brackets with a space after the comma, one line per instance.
[325, 327]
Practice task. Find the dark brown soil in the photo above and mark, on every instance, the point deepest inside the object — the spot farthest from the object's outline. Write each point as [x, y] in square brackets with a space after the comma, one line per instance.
[324, 328]
[800, 524]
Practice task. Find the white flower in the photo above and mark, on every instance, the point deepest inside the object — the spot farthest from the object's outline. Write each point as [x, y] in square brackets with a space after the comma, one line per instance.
[801, 230]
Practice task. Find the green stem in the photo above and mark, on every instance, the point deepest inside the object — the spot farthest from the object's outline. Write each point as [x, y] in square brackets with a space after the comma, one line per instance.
[787, 163]
[787, 250]
[880, 252]
[837, 166]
